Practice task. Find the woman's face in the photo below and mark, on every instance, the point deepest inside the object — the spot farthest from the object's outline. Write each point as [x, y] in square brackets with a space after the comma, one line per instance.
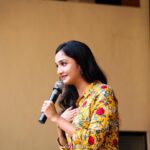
[67, 69]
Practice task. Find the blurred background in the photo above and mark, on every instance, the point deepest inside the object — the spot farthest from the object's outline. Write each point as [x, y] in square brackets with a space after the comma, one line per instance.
[30, 31]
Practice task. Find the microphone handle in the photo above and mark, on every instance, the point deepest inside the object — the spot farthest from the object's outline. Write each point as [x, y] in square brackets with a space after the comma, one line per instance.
[42, 118]
[53, 98]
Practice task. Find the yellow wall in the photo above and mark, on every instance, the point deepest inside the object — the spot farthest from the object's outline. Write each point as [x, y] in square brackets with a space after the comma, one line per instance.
[29, 33]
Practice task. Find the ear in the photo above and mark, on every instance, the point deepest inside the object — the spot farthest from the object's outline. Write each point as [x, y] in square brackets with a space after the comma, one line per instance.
[81, 71]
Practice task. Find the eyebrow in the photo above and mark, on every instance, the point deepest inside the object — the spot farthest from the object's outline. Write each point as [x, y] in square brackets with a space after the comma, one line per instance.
[61, 60]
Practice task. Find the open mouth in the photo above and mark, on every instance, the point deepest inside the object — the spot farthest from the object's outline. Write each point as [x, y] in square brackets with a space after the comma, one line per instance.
[63, 77]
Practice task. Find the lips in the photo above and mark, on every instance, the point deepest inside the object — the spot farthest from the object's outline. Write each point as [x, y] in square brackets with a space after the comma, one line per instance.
[63, 77]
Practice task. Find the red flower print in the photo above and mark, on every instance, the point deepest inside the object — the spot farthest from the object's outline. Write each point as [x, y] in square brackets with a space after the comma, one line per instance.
[84, 104]
[100, 111]
[104, 86]
[115, 142]
[91, 140]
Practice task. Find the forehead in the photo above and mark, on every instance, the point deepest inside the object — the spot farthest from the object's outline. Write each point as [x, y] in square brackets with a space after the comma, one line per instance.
[61, 56]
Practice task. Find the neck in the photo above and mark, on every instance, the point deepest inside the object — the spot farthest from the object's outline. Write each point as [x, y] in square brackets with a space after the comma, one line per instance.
[81, 87]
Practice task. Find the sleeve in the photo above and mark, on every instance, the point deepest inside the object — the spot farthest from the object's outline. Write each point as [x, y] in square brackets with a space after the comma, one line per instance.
[61, 147]
[103, 107]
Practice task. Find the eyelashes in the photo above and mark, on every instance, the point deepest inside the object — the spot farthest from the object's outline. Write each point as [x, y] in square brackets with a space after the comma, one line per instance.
[61, 63]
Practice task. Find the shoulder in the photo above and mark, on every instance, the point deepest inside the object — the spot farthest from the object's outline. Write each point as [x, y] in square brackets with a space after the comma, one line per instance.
[105, 93]
[101, 88]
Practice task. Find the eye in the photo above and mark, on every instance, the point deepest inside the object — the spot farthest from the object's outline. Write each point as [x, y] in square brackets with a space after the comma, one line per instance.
[63, 63]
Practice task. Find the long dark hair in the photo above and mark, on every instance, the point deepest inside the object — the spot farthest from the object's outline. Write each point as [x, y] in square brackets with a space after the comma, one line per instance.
[91, 72]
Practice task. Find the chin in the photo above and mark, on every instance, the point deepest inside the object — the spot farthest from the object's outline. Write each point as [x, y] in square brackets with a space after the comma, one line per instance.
[67, 82]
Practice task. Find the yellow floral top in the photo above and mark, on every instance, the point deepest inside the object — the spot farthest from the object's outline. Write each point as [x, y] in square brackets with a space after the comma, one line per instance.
[97, 123]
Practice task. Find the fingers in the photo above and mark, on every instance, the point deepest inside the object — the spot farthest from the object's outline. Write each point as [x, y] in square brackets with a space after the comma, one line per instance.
[70, 108]
[74, 111]
[69, 113]
[45, 105]
[47, 102]
[48, 108]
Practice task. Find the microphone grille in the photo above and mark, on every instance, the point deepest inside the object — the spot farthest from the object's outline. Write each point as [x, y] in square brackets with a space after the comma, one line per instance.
[59, 85]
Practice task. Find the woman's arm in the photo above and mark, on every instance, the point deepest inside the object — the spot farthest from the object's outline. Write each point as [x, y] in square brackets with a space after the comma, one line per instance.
[50, 111]
[62, 141]
[68, 115]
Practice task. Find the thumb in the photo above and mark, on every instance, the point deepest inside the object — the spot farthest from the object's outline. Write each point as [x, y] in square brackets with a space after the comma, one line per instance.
[69, 108]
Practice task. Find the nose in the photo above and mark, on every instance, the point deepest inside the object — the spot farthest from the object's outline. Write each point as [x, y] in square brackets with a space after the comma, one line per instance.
[59, 71]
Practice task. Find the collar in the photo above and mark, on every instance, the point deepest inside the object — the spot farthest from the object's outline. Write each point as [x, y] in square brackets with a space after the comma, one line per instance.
[88, 91]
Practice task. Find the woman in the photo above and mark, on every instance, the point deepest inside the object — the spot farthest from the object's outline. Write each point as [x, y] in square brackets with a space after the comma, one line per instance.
[89, 119]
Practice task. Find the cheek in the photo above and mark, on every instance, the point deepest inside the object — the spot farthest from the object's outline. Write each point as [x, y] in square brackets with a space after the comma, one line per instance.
[77, 72]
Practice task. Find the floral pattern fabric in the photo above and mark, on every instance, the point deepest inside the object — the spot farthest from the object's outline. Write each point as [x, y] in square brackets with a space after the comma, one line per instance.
[97, 123]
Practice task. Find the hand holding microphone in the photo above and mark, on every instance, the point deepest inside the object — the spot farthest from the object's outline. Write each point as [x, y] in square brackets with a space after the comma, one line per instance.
[49, 111]
[48, 107]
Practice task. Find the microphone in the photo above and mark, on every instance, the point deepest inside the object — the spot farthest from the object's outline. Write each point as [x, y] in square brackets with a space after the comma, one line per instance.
[57, 89]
